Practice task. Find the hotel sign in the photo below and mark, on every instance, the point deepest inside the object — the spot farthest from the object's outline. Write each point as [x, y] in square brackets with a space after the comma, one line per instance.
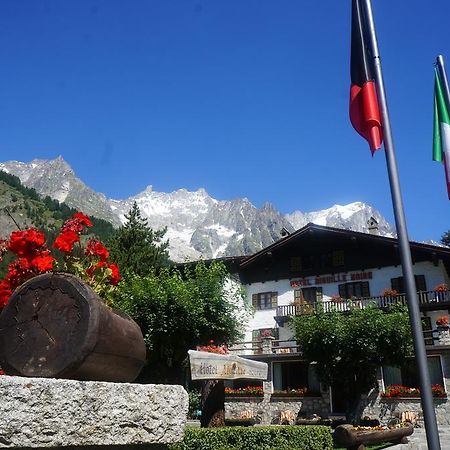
[213, 366]
[327, 279]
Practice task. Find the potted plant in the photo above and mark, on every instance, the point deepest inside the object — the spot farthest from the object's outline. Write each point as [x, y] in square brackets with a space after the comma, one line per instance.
[59, 297]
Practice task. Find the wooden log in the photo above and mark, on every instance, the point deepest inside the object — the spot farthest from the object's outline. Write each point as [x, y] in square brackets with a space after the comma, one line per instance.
[56, 326]
[349, 437]
[213, 404]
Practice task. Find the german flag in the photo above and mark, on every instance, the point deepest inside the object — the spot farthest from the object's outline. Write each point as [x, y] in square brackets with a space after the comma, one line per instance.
[364, 110]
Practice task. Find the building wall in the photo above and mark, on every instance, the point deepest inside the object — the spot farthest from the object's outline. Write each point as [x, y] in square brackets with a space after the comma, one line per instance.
[381, 279]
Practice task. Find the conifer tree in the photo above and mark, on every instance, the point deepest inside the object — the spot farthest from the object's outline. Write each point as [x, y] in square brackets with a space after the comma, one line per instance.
[136, 248]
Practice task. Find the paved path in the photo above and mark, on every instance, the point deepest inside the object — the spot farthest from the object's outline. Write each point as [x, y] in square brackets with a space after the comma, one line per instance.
[418, 440]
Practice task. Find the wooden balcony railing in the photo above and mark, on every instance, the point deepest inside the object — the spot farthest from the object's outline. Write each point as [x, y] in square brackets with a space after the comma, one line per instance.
[427, 300]
[258, 348]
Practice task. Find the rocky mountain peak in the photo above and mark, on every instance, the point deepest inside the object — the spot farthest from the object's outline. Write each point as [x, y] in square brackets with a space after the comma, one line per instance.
[197, 224]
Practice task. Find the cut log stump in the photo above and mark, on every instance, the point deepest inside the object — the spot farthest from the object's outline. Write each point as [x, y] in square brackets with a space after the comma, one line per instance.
[349, 437]
[56, 326]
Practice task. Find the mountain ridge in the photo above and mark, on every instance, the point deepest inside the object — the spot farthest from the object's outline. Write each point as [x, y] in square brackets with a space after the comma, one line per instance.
[198, 226]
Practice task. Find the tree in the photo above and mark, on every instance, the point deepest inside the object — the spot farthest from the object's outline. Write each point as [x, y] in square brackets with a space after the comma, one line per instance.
[136, 248]
[178, 311]
[350, 347]
[445, 239]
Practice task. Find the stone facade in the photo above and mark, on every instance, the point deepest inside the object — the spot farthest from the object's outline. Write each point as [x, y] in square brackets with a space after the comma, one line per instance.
[384, 409]
[42, 412]
[268, 410]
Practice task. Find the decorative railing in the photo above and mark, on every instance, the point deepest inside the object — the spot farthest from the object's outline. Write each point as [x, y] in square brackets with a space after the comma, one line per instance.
[426, 298]
[265, 347]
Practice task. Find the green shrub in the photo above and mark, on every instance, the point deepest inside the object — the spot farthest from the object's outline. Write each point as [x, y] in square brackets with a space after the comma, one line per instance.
[194, 404]
[257, 438]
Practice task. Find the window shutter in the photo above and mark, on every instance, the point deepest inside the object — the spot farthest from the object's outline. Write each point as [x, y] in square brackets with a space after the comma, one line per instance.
[319, 294]
[365, 289]
[395, 284]
[256, 334]
[255, 300]
[421, 285]
[274, 298]
[342, 291]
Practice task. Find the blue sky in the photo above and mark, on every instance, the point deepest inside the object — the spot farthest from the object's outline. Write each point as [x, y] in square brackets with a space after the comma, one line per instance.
[245, 98]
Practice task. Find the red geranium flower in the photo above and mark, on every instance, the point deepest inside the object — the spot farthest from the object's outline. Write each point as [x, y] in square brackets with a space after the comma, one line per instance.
[24, 243]
[96, 248]
[43, 262]
[83, 219]
[66, 240]
[5, 293]
[115, 275]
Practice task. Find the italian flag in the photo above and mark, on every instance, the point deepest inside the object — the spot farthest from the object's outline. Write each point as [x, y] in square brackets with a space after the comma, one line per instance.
[441, 132]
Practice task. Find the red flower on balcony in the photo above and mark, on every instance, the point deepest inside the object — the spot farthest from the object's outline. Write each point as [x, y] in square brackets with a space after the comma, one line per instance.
[442, 321]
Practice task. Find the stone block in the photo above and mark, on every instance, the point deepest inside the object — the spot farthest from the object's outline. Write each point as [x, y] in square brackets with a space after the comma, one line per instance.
[46, 412]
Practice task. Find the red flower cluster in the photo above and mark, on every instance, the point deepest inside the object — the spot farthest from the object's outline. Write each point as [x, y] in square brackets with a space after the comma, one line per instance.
[33, 258]
[211, 348]
[389, 293]
[397, 390]
[70, 232]
[247, 390]
[441, 288]
[442, 321]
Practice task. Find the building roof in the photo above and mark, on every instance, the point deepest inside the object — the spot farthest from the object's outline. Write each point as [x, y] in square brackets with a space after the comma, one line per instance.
[311, 229]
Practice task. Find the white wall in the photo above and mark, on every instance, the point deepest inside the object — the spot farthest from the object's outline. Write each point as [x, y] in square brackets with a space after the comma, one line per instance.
[381, 279]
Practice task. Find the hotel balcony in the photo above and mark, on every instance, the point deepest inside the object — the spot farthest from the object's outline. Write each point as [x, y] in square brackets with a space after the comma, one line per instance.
[428, 300]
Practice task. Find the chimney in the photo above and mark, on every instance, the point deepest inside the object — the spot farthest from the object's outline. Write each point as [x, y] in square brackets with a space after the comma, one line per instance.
[372, 226]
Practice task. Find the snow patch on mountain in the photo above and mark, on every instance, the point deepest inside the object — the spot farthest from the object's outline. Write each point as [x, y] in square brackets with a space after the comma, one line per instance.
[197, 224]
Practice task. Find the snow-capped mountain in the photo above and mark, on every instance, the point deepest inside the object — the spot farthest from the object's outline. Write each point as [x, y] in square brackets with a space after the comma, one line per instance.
[197, 224]
[354, 216]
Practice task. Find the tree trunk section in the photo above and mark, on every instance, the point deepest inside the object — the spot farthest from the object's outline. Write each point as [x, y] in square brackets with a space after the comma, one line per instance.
[213, 404]
[56, 326]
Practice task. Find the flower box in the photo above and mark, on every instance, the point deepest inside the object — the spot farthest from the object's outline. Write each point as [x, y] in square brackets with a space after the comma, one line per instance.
[403, 392]
[56, 326]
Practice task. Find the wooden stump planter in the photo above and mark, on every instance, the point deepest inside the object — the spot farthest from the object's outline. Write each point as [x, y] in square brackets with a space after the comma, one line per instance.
[353, 439]
[56, 326]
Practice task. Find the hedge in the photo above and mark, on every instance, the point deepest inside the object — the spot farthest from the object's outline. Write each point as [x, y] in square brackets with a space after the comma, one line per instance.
[257, 438]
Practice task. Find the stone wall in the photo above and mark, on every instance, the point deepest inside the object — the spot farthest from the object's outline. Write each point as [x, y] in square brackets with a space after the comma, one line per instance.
[384, 409]
[267, 410]
[44, 412]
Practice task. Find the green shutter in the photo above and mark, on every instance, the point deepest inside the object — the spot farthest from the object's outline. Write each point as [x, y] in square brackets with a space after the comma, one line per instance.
[274, 299]
[421, 285]
[365, 289]
[319, 294]
[255, 300]
[395, 284]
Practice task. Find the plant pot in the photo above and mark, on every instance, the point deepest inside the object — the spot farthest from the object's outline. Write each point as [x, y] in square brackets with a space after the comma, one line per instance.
[56, 326]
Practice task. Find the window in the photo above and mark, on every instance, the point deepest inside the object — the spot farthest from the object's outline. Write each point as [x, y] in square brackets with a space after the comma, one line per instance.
[358, 289]
[398, 285]
[265, 300]
[308, 295]
[407, 374]
[295, 375]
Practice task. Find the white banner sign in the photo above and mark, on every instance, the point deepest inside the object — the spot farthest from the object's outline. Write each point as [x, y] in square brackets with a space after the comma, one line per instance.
[214, 366]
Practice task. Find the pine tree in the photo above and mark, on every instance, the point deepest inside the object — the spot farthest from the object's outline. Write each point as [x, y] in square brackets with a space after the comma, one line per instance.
[446, 238]
[136, 248]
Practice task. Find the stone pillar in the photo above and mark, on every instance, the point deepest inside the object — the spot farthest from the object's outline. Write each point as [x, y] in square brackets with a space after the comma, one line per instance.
[266, 344]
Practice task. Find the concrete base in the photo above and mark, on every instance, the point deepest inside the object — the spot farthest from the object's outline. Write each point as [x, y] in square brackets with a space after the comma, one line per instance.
[43, 413]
